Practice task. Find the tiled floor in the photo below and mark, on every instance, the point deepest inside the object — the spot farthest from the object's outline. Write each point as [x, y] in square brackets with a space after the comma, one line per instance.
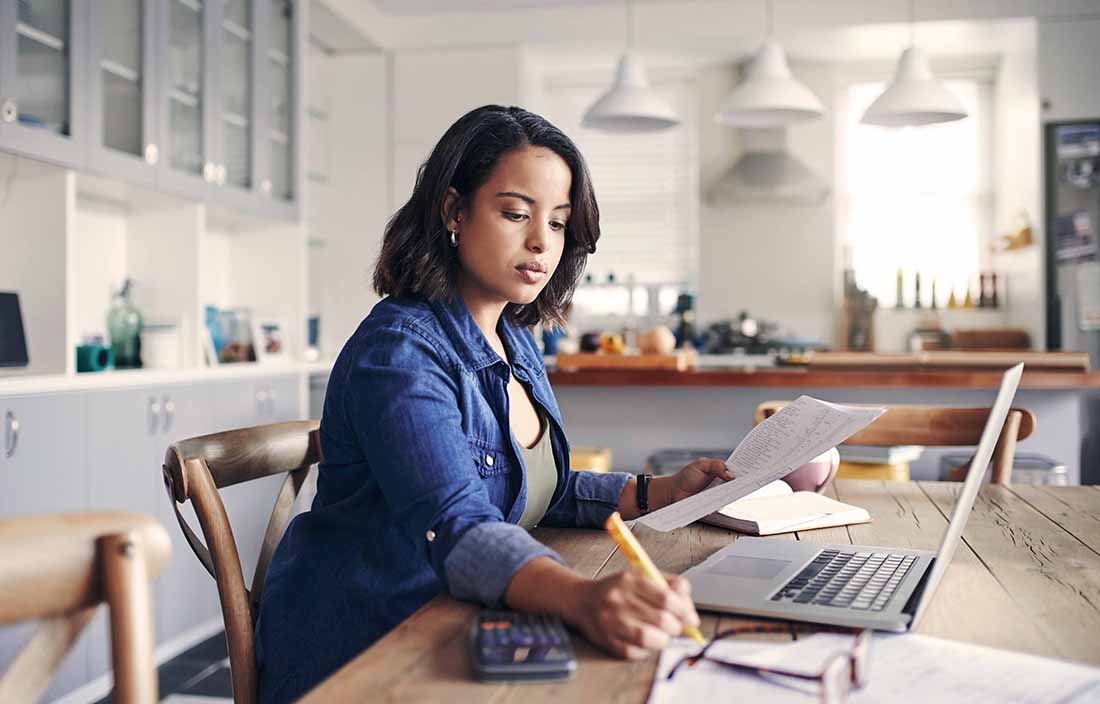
[197, 676]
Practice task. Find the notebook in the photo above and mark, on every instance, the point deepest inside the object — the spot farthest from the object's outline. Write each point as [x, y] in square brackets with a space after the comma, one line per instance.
[896, 454]
[776, 508]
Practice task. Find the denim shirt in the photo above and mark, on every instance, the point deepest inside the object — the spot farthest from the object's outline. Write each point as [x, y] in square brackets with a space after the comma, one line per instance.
[419, 492]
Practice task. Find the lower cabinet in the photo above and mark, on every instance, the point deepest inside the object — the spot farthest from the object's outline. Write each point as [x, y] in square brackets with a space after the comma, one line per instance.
[43, 470]
[103, 450]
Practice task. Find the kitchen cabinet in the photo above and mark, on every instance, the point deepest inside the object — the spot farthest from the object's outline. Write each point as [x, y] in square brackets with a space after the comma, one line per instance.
[42, 44]
[42, 470]
[122, 84]
[229, 73]
[198, 98]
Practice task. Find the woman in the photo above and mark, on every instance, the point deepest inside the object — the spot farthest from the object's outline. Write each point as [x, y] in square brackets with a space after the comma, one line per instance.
[442, 441]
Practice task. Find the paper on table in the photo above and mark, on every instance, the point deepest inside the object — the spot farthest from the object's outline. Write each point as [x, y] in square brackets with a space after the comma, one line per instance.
[903, 668]
[792, 437]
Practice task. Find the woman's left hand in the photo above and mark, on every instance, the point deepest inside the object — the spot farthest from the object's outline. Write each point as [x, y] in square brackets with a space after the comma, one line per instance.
[697, 476]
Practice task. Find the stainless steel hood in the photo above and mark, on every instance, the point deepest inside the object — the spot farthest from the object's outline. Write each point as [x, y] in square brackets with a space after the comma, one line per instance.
[767, 174]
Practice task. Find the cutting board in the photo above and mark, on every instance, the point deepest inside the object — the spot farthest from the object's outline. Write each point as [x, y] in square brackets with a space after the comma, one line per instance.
[681, 360]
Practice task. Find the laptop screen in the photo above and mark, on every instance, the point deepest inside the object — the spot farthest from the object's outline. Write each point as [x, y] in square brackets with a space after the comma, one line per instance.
[974, 478]
[13, 343]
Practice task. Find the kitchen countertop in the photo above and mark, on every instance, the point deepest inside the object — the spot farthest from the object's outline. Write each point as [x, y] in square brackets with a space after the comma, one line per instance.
[805, 377]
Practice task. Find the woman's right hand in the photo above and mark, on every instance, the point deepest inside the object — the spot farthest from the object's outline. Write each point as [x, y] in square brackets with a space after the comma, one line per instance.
[632, 616]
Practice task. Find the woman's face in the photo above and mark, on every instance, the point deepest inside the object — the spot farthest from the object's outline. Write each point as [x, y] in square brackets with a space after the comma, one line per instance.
[512, 232]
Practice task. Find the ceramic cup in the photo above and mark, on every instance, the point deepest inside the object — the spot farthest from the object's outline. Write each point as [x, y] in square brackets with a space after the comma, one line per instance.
[815, 474]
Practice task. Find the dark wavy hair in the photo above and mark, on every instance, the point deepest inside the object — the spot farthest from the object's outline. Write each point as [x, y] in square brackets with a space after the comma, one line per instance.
[417, 258]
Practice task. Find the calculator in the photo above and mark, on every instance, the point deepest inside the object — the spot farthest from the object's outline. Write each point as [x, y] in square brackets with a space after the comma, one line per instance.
[515, 646]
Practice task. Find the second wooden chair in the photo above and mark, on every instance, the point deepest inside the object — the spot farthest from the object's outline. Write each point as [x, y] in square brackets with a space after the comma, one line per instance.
[942, 426]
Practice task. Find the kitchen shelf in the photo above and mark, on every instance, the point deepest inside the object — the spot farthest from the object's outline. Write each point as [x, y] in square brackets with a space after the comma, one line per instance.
[37, 35]
[182, 97]
[236, 30]
[235, 119]
[119, 71]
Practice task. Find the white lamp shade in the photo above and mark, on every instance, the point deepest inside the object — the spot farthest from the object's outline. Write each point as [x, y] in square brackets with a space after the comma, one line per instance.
[630, 105]
[915, 96]
[770, 96]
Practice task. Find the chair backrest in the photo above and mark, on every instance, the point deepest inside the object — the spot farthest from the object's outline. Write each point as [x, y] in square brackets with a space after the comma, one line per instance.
[936, 426]
[194, 470]
[58, 569]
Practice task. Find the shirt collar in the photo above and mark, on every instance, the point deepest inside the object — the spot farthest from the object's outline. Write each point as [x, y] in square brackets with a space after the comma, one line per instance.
[471, 344]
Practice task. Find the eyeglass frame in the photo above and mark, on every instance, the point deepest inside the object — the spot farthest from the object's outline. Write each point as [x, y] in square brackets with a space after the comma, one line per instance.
[856, 657]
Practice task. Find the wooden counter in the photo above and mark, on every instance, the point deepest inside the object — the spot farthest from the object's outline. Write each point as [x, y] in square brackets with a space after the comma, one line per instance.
[802, 377]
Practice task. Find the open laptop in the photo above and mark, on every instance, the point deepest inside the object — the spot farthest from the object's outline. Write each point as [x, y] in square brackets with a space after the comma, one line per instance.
[844, 585]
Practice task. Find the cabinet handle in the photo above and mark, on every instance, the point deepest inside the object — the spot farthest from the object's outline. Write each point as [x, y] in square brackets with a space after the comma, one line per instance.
[266, 186]
[271, 396]
[154, 415]
[169, 414]
[222, 172]
[8, 110]
[209, 172]
[11, 433]
[152, 154]
[261, 402]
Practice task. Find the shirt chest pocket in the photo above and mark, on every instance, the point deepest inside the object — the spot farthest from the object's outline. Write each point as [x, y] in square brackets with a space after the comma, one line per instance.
[493, 464]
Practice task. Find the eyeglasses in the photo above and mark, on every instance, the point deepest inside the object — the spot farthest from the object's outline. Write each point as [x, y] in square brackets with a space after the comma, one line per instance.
[838, 675]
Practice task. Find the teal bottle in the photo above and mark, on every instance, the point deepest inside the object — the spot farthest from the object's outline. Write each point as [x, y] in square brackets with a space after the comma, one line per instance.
[124, 327]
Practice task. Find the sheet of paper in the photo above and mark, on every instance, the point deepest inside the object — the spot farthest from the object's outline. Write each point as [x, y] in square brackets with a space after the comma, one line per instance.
[792, 437]
[903, 668]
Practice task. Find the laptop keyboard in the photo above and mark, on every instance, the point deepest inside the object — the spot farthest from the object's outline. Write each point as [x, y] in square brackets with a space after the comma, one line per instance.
[851, 580]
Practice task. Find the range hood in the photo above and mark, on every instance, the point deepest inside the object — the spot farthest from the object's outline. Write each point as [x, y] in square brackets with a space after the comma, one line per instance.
[767, 174]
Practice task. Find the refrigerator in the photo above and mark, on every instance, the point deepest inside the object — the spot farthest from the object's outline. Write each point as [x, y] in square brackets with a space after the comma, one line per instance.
[1072, 185]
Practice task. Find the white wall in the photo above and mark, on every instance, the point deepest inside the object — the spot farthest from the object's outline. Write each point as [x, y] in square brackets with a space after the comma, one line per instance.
[33, 229]
[348, 202]
[100, 251]
[433, 88]
[1069, 58]
[1017, 180]
[774, 260]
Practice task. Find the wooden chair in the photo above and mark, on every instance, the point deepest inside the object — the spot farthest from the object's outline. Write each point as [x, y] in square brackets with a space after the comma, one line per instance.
[936, 426]
[59, 568]
[194, 470]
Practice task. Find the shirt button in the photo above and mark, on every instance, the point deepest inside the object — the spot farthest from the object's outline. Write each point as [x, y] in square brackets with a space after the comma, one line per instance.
[430, 535]
[489, 460]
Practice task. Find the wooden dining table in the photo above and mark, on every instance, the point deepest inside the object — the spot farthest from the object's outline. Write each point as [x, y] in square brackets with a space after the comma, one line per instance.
[1026, 578]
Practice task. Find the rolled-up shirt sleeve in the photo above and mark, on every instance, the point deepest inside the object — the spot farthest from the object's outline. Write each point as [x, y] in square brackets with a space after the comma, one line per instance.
[586, 500]
[403, 403]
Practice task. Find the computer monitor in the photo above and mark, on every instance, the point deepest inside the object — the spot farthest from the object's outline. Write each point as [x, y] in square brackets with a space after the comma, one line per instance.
[13, 342]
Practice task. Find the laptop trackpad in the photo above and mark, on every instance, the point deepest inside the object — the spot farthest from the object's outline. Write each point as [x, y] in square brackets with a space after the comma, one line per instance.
[751, 567]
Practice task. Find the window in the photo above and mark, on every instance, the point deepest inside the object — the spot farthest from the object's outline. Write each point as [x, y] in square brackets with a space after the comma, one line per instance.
[918, 199]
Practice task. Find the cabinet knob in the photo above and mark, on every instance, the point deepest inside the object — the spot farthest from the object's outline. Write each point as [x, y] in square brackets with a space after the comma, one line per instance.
[169, 413]
[154, 415]
[8, 110]
[222, 172]
[209, 172]
[11, 433]
[152, 154]
[266, 186]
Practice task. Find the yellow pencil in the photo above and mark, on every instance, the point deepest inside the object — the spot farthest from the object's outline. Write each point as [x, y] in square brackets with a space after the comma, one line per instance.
[640, 561]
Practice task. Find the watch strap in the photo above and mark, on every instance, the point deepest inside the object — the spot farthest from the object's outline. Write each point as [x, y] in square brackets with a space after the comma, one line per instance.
[642, 493]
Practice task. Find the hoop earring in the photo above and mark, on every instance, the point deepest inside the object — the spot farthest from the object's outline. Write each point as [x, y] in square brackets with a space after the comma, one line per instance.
[454, 238]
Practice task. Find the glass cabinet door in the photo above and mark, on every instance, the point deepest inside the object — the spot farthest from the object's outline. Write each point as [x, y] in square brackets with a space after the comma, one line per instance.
[235, 93]
[281, 68]
[122, 81]
[38, 90]
[186, 120]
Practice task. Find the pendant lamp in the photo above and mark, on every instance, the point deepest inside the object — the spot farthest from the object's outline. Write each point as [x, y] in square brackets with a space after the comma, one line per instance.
[770, 96]
[915, 96]
[630, 105]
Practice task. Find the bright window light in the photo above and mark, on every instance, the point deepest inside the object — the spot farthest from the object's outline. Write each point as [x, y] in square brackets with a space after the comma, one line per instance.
[916, 198]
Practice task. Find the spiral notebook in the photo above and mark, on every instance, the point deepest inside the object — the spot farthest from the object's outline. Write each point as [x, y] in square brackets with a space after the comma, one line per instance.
[776, 508]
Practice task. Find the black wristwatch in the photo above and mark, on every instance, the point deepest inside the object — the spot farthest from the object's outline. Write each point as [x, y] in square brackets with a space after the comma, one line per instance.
[642, 493]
